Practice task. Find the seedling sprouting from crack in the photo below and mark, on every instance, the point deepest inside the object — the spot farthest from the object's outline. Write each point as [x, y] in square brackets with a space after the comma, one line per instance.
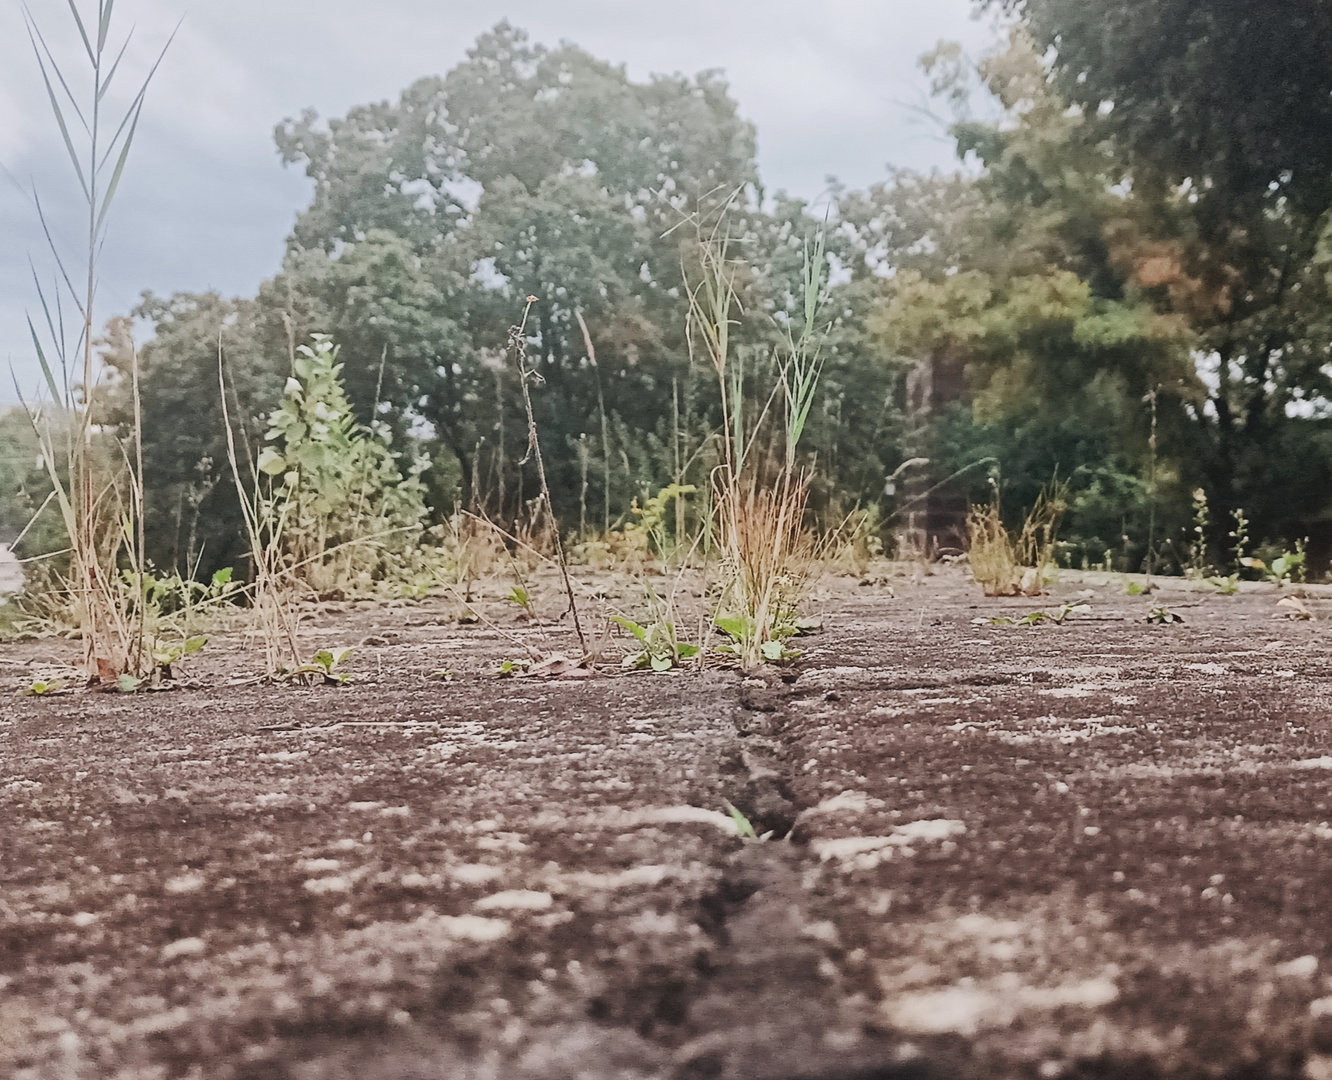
[164, 656]
[326, 665]
[743, 828]
[660, 649]
[741, 629]
[1163, 615]
[1035, 618]
[45, 688]
[520, 596]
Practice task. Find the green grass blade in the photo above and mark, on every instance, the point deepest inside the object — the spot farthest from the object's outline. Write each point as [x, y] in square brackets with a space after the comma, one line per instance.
[131, 114]
[55, 252]
[106, 83]
[83, 33]
[46, 366]
[104, 24]
[120, 169]
[64, 128]
[34, 29]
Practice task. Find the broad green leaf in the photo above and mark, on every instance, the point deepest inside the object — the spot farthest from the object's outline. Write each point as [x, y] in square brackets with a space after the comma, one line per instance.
[270, 462]
[222, 577]
[631, 626]
[661, 663]
[733, 626]
[194, 644]
[127, 684]
[688, 652]
[772, 650]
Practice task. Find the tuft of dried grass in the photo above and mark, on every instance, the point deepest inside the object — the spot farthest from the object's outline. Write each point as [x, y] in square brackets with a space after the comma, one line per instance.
[1008, 564]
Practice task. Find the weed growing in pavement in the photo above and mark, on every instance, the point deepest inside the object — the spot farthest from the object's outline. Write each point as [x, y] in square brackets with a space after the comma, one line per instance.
[660, 648]
[1035, 618]
[97, 480]
[759, 504]
[45, 688]
[1198, 567]
[351, 517]
[1021, 564]
[1283, 568]
[528, 375]
[325, 666]
[1163, 615]
[744, 828]
[519, 595]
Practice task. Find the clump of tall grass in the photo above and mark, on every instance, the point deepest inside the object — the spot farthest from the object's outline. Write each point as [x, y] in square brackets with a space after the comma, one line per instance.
[1016, 564]
[97, 479]
[759, 494]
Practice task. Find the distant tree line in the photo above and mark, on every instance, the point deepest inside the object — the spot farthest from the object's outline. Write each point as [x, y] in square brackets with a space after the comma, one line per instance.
[1134, 281]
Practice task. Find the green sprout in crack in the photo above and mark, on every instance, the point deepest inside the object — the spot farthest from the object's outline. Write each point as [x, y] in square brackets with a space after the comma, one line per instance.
[1162, 615]
[660, 649]
[743, 828]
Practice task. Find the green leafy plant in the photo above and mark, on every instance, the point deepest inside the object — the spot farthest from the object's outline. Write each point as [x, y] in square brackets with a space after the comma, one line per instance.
[1284, 568]
[349, 517]
[519, 596]
[45, 688]
[1163, 615]
[1198, 566]
[742, 632]
[660, 649]
[509, 668]
[326, 665]
[165, 656]
[1035, 618]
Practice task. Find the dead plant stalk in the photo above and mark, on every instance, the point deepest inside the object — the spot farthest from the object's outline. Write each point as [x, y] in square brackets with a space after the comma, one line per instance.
[528, 374]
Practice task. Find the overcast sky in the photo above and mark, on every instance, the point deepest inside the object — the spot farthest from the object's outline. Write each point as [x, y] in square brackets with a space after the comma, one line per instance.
[832, 86]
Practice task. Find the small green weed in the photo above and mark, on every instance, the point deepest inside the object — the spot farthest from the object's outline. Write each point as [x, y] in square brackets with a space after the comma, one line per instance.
[741, 629]
[1163, 615]
[660, 647]
[45, 688]
[743, 827]
[509, 668]
[325, 665]
[1035, 618]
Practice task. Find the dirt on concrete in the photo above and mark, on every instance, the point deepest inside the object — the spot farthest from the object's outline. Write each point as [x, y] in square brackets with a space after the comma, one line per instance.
[1094, 849]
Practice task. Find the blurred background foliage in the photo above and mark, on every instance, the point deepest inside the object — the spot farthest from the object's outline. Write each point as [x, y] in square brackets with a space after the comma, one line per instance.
[1132, 276]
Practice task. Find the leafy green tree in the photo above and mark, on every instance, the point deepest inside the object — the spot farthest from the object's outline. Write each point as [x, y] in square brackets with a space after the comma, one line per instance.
[1222, 112]
[1015, 278]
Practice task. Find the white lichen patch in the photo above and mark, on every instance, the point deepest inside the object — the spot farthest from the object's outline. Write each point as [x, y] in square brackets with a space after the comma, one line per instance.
[867, 852]
[967, 1009]
[474, 873]
[184, 884]
[190, 946]
[515, 900]
[324, 886]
